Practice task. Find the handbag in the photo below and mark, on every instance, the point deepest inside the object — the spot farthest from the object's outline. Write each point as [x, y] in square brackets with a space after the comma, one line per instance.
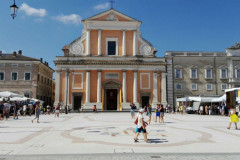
[136, 121]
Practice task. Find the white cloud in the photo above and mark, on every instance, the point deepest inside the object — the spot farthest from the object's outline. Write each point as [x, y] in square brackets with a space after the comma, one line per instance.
[69, 19]
[102, 6]
[32, 11]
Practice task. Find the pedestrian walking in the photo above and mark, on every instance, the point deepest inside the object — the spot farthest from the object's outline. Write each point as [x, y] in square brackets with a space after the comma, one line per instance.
[132, 110]
[233, 118]
[161, 114]
[201, 110]
[24, 109]
[57, 110]
[157, 111]
[48, 110]
[1, 110]
[149, 113]
[16, 108]
[37, 112]
[141, 124]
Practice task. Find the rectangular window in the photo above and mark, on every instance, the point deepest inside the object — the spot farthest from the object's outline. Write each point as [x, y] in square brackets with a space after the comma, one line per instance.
[27, 76]
[209, 87]
[14, 76]
[2, 76]
[2, 65]
[238, 73]
[111, 76]
[38, 77]
[178, 73]
[14, 65]
[208, 74]
[112, 46]
[178, 86]
[194, 87]
[223, 73]
[224, 86]
[27, 65]
[193, 73]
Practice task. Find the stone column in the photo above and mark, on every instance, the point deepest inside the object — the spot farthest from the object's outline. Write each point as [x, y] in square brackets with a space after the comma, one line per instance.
[99, 86]
[134, 43]
[66, 96]
[88, 42]
[57, 87]
[124, 87]
[164, 91]
[87, 87]
[155, 89]
[124, 43]
[99, 42]
[135, 87]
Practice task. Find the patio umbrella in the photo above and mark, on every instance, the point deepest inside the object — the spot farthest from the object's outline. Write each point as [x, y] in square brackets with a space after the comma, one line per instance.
[7, 94]
[19, 99]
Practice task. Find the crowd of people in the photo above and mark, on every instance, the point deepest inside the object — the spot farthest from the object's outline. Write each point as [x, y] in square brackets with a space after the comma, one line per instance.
[24, 108]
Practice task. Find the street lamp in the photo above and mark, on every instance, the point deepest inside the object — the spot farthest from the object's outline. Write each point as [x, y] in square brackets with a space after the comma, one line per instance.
[66, 107]
[14, 9]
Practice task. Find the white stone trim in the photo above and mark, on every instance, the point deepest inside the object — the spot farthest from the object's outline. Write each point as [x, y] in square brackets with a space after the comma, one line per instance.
[99, 87]
[57, 87]
[88, 42]
[191, 73]
[99, 42]
[124, 87]
[30, 76]
[135, 48]
[149, 79]
[221, 73]
[135, 90]
[155, 88]
[105, 76]
[87, 87]
[124, 43]
[112, 39]
[222, 86]
[73, 79]
[211, 73]
[192, 86]
[210, 88]
[164, 89]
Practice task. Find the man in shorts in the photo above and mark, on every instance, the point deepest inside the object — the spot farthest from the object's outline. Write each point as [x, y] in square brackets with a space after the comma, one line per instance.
[141, 127]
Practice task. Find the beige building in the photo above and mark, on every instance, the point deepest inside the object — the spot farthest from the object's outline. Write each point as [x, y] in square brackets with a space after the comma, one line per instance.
[26, 76]
[110, 65]
[202, 73]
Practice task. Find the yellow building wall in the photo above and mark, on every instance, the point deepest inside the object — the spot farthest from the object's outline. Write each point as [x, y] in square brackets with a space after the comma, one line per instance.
[93, 86]
[129, 43]
[62, 86]
[94, 42]
[129, 82]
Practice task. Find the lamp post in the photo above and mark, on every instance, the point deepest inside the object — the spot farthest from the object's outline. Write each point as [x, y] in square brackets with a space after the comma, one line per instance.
[66, 107]
[14, 9]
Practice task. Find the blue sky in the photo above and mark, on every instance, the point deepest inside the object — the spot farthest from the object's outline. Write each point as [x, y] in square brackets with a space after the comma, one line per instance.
[43, 27]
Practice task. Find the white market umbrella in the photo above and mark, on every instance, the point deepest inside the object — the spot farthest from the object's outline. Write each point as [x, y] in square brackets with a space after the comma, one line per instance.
[19, 99]
[7, 94]
[36, 100]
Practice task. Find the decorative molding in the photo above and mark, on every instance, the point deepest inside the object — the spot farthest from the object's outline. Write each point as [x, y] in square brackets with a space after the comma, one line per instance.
[149, 78]
[208, 66]
[115, 40]
[76, 47]
[146, 49]
[73, 79]
[178, 67]
[112, 17]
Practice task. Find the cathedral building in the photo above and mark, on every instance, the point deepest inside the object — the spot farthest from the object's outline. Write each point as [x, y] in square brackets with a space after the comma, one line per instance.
[110, 65]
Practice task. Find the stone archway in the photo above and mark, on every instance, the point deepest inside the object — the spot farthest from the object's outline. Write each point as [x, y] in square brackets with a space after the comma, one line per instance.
[111, 94]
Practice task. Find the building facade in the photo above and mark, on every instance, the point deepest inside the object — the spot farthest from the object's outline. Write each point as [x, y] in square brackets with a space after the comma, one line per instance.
[202, 73]
[26, 76]
[110, 65]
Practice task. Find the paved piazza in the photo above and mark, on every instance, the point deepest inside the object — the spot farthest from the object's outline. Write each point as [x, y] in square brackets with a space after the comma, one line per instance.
[112, 132]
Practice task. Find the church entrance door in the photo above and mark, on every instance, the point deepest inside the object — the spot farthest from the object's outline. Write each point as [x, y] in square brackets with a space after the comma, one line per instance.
[111, 99]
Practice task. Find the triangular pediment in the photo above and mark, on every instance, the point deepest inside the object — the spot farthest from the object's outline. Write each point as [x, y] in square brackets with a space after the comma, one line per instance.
[111, 15]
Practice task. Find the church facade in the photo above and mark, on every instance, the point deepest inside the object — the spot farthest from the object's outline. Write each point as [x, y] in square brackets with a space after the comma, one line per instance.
[110, 65]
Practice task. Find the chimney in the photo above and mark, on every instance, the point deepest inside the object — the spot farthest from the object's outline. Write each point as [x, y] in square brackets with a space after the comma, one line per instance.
[41, 59]
[20, 52]
[14, 53]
